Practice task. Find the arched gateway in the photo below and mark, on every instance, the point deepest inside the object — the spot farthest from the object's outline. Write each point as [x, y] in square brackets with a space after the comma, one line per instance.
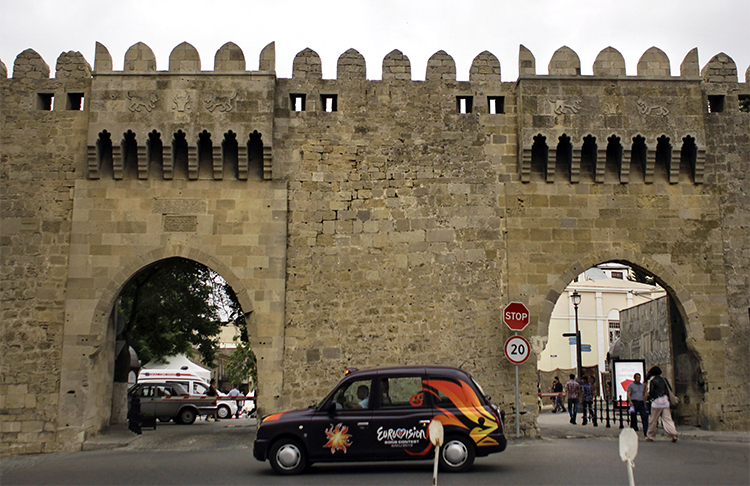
[362, 222]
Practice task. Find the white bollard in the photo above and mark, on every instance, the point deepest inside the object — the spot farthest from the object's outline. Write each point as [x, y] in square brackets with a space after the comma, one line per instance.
[435, 429]
[628, 451]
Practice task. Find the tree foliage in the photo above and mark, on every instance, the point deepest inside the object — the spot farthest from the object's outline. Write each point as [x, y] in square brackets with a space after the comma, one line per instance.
[176, 306]
[637, 275]
[242, 362]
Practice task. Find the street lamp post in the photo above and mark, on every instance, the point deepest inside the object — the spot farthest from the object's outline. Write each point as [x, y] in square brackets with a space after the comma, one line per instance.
[576, 297]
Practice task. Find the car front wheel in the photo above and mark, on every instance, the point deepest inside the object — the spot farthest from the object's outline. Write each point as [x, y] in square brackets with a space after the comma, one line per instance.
[457, 454]
[187, 416]
[287, 456]
[224, 412]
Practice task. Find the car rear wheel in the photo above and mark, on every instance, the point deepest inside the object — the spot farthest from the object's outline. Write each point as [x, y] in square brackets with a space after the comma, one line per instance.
[224, 412]
[187, 416]
[457, 454]
[287, 456]
[165, 419]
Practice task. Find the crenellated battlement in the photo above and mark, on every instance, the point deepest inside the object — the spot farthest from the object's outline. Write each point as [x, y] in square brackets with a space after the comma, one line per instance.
[146, 123]
[351, 65]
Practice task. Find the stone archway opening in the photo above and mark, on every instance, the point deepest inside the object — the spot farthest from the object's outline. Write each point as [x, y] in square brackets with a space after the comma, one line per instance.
[180, 307]
[625, 304]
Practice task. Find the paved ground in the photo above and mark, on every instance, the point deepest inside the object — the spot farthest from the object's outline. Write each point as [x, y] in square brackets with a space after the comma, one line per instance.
[241, 432]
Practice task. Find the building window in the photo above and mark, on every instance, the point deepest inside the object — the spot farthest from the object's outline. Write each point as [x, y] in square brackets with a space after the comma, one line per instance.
[45, 101]
[614, 331]
[744, 100]
[298, 102]
[617, 275]
[464, 104]
[496, 104]
[329, 102]
[75, 102]
[716, 103]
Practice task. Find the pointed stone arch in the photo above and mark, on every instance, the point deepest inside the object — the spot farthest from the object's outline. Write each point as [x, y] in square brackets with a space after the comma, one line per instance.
[526, 61]
[140, 58]
[307, 65]
[441, 67]
[351, 66]
[72, 64]
[665, 276]
[229, 58]
[485, 67]
[102, 59]
[565, 62]
[654, 63]
[106, 300]
[720, 69]
[184, 59]
[29, 64]
[609, 63]
[396, 66]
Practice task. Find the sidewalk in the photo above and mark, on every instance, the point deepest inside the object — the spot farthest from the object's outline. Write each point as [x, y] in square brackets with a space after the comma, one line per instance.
[558, 426]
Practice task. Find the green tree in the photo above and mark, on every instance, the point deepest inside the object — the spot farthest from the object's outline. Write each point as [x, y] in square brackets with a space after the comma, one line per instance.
[242, 363]
[637, 275]
[173, 307]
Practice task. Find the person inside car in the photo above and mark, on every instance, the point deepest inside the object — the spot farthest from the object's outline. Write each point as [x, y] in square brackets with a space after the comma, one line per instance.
[363, 393]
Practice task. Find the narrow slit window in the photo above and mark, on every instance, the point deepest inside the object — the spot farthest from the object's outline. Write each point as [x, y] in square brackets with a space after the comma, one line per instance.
[716, 103]
[464, 104]
[329, 102]
[298, 102]
[744, 101]
[496, 104]
[45, 101]
[75, 102]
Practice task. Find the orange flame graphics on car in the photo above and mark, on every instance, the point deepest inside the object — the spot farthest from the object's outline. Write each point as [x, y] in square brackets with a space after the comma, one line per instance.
[474, 416]
[273, 417]
[338, 438]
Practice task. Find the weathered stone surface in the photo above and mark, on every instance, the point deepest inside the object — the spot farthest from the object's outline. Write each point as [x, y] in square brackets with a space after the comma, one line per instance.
[391, 230]
[229, 58]
[564, 62]
[30, 65]
[609, 63]
[654, 63]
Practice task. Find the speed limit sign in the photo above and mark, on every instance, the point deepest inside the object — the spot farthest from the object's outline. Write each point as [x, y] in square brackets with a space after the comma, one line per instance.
[517, 349]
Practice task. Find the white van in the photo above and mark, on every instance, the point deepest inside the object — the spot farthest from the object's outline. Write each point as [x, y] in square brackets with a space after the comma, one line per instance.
[194, 384]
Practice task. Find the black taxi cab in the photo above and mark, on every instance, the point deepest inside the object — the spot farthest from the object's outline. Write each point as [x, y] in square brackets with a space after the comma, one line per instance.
[383, 415]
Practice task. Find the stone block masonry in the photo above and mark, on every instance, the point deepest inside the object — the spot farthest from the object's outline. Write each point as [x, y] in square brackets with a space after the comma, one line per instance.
[363, 222]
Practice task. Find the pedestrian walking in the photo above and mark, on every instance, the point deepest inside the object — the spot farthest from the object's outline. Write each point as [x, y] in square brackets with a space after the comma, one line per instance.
[557, 387]
[658, 391]
[572, 390]
[636, 400]
[587, 399]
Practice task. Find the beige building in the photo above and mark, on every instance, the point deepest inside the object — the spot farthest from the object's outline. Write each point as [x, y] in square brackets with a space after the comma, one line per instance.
[602, 299]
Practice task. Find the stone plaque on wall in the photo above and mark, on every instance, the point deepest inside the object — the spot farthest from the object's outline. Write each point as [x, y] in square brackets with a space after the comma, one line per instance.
[182, 224]
[180, 206]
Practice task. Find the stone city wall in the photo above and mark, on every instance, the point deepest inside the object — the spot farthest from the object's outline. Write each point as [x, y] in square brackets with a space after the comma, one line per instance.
[362, 222]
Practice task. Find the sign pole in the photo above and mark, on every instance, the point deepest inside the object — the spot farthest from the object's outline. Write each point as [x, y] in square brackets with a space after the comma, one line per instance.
[517, 316]
[518, 414]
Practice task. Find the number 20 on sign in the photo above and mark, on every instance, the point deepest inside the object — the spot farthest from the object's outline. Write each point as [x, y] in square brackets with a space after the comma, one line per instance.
[517, 349]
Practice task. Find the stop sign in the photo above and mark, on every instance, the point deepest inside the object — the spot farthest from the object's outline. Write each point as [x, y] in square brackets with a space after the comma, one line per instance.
[516, 316]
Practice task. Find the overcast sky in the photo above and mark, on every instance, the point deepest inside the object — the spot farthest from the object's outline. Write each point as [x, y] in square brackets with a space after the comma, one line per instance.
[418, 28]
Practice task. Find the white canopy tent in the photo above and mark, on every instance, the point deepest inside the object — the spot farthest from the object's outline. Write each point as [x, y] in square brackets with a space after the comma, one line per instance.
[179, 363]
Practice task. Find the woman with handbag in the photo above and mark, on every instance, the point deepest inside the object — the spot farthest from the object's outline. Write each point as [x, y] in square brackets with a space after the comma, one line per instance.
[660, 392]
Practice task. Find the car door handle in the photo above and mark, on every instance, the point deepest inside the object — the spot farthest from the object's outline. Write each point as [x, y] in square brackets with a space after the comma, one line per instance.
[363, 424]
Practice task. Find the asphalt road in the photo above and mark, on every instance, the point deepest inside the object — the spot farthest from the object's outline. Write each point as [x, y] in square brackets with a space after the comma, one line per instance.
[221, 453]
